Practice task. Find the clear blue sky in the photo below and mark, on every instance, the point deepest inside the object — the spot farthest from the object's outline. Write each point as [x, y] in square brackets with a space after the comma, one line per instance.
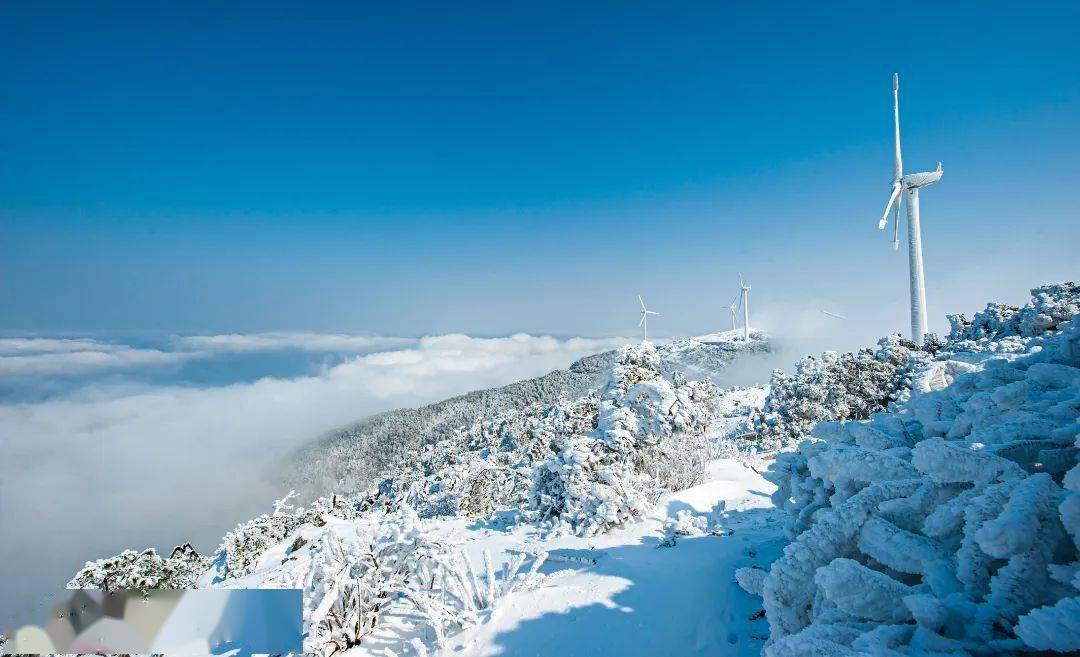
[490, 167]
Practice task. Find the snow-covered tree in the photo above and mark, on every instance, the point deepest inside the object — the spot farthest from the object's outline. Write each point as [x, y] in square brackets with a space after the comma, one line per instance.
[143, 570]
[836, 387]
[1051, 306]
[649, 437]
[242, 547]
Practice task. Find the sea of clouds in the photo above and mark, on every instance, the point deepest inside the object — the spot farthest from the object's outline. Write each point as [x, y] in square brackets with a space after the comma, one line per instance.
[130, 444]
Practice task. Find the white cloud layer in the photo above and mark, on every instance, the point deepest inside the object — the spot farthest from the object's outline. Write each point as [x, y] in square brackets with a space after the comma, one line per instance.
[316, 342]
[23, 346]
[88, 474]
[28, 357]
[74, 362]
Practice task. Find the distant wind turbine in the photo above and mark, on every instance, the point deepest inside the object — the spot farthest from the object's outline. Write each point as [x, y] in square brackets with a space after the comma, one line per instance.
[644, 323]
[733, 307]
[909, 185]
[744, 289]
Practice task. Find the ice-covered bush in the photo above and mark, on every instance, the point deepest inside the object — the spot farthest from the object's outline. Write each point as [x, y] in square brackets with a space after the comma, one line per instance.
[998, 326]
[649, 437]
[836, 387]
[143, 570]
[237, 556]
[948, 525]
[487, 467]
[241, 548]
[354, 573]
[853, 386]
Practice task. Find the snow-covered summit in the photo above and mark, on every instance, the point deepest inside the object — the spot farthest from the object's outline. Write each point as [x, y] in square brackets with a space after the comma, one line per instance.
[734, 338]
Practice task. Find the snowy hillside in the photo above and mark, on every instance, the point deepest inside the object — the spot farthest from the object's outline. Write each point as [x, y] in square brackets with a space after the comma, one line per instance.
[576, 466]
[350, 460]
[925, 501]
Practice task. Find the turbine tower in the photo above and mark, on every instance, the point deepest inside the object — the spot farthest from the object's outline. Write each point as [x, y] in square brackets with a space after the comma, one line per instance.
[909, 185]
[744, 289]
[644, 323]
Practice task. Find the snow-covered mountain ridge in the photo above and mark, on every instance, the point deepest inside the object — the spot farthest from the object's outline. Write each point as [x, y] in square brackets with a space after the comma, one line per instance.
[351, 459]
[579, 466]
[925, 503]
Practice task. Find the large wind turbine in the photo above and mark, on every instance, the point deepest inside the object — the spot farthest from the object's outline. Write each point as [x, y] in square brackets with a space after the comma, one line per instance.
[909, 185]
[744, 289]
[644, 323]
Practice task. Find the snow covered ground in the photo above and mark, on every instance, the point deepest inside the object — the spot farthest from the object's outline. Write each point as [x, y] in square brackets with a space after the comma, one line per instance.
[640, 598]
[627, 592]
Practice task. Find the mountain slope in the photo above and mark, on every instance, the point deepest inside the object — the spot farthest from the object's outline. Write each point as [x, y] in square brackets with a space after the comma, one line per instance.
[349, 460]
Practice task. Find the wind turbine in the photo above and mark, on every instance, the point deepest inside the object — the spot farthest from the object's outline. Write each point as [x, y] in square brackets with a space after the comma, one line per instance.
[644, 323]
[909, 185]
[733, 307]
[744, 289]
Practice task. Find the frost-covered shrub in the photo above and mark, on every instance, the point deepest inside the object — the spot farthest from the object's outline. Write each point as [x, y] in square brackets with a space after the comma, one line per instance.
[854, 386]
[242, 547]
[353, 574]
[143, 570]
[948, 525]
[238, 554]
[487, 467]
[836, 387]
[649, 437]
[590, 486]
[1051, 306]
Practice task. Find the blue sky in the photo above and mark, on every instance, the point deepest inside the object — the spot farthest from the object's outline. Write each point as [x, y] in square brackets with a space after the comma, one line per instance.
[490, 167]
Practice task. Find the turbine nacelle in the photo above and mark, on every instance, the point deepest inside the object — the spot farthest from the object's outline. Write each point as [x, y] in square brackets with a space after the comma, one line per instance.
[917, 180]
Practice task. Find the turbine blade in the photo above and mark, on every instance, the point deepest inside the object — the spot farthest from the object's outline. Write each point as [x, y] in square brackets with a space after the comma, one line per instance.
[642, 319]
[896, 227]
[888, 206]
[896, 124]
[651, 312]
[641, 301]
